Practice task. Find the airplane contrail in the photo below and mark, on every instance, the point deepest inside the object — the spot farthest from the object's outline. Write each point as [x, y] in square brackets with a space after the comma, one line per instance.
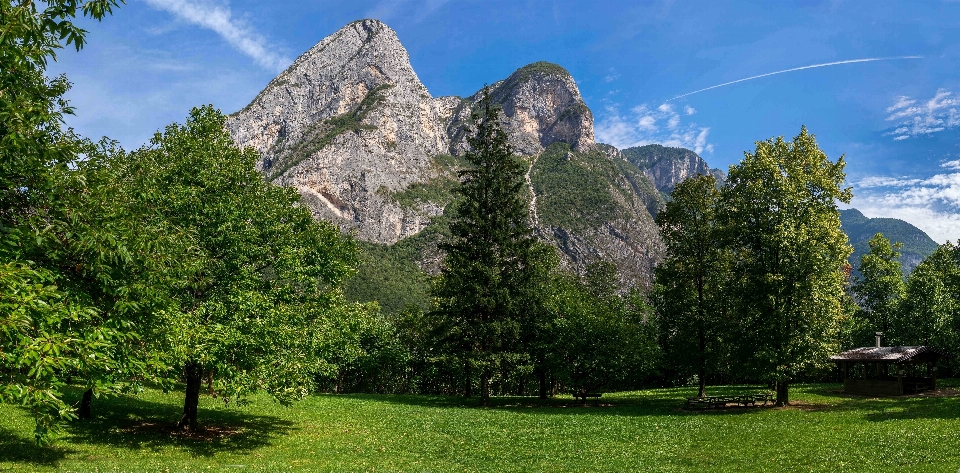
[850, 61]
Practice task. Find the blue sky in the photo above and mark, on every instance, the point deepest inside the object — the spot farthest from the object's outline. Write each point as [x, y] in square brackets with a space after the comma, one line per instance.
[896, 120]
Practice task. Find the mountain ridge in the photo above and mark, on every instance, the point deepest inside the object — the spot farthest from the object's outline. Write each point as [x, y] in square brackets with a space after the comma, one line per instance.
[352, 128]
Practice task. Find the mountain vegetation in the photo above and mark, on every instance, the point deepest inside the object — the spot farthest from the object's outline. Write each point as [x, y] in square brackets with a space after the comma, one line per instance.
[915, 244]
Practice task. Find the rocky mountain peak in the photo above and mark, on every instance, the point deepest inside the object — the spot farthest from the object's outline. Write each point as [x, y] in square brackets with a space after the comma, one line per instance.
[541, 105]
[666, 166]
[347, 124]
[329, 79]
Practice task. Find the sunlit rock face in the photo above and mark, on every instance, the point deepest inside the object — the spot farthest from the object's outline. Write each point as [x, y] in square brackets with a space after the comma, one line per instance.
[352, 128]
[348, 124]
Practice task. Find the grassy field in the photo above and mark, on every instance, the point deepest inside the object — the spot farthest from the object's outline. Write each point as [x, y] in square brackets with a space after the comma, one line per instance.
[632, 431]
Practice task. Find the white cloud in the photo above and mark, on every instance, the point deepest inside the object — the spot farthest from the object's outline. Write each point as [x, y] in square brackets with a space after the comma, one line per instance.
[952, 165]
[915, 118]
[644, 125]
[234, 31]
[612, 76]
[932, 204]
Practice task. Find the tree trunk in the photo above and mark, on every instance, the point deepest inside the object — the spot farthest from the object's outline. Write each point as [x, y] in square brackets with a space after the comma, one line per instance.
[542, 374]
[521, 387]
[703, 381]
[189, 419]
[485, 387]
[783, 394]
[468, 388]
[702, 336]
[85, 404]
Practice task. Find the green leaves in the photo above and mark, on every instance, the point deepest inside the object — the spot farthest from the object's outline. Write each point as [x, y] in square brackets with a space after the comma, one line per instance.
[783, 227]
[41, 340]
[692, 282]
[257, 275]
[880, 287]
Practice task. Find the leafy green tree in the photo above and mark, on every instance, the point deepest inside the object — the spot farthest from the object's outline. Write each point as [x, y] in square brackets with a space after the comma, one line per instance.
[601, 339]
[880, 287]
[690, 282]
[51, 335]
[489, 259]
[538, 315]
[261, 276]
[782, 224]
[930, 307]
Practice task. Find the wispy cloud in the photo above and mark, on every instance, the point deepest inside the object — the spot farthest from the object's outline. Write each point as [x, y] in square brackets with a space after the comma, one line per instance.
[612, 76]
[914, 118]
[812, 66]
[644, 125]
[932, 203]
[234, 31]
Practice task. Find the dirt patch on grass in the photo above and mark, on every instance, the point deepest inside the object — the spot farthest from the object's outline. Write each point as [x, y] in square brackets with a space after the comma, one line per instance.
[208, 433]
[944, 392]
[807, 406]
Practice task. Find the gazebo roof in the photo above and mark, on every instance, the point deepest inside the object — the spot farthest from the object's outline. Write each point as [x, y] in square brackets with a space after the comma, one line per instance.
[890, 354]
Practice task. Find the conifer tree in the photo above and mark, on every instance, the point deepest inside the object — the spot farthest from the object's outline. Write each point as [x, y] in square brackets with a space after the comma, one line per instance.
[490, 258]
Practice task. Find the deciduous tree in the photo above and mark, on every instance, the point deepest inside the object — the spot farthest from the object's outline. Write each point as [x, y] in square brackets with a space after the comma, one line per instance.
[48, 323]
[783, 227]
[260, 276]
[691, 281]
[880, 287]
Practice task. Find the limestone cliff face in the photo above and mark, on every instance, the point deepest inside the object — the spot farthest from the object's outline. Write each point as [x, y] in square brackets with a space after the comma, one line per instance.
[347, 124]
[352, 128]
[541, 105]
[666, 167]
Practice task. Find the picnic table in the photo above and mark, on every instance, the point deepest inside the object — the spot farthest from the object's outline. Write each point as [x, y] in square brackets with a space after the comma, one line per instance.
[582, 395]
[739, 400]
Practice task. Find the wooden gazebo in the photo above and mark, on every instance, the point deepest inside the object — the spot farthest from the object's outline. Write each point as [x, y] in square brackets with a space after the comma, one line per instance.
[889, 371]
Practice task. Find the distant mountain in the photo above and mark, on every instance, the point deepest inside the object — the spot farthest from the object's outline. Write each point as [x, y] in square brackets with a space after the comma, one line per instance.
[917, 245]
[666, 167]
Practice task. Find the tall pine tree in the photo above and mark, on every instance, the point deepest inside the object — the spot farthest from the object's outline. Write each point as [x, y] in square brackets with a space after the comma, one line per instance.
[490, 258]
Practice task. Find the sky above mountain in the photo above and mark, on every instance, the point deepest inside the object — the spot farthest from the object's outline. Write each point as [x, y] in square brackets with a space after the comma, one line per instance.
[711, 76]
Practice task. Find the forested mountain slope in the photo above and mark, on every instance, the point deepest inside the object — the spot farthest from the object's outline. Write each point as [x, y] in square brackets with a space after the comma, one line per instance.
[917, 245]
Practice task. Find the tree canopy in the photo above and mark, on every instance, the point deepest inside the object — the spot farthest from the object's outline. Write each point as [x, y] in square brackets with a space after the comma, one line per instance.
[691, 281]
[260, 273]
[783, 228]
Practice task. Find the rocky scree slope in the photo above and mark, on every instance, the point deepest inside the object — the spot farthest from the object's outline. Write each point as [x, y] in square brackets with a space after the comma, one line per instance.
[351, 126]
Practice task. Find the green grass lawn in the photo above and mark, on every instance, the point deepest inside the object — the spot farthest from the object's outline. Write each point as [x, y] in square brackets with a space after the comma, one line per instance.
[631, 431]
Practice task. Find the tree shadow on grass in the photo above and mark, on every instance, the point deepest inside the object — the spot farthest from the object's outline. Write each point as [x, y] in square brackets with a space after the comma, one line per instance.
[17, 449]
[879, 409]
[619, 405]
[136, 424]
